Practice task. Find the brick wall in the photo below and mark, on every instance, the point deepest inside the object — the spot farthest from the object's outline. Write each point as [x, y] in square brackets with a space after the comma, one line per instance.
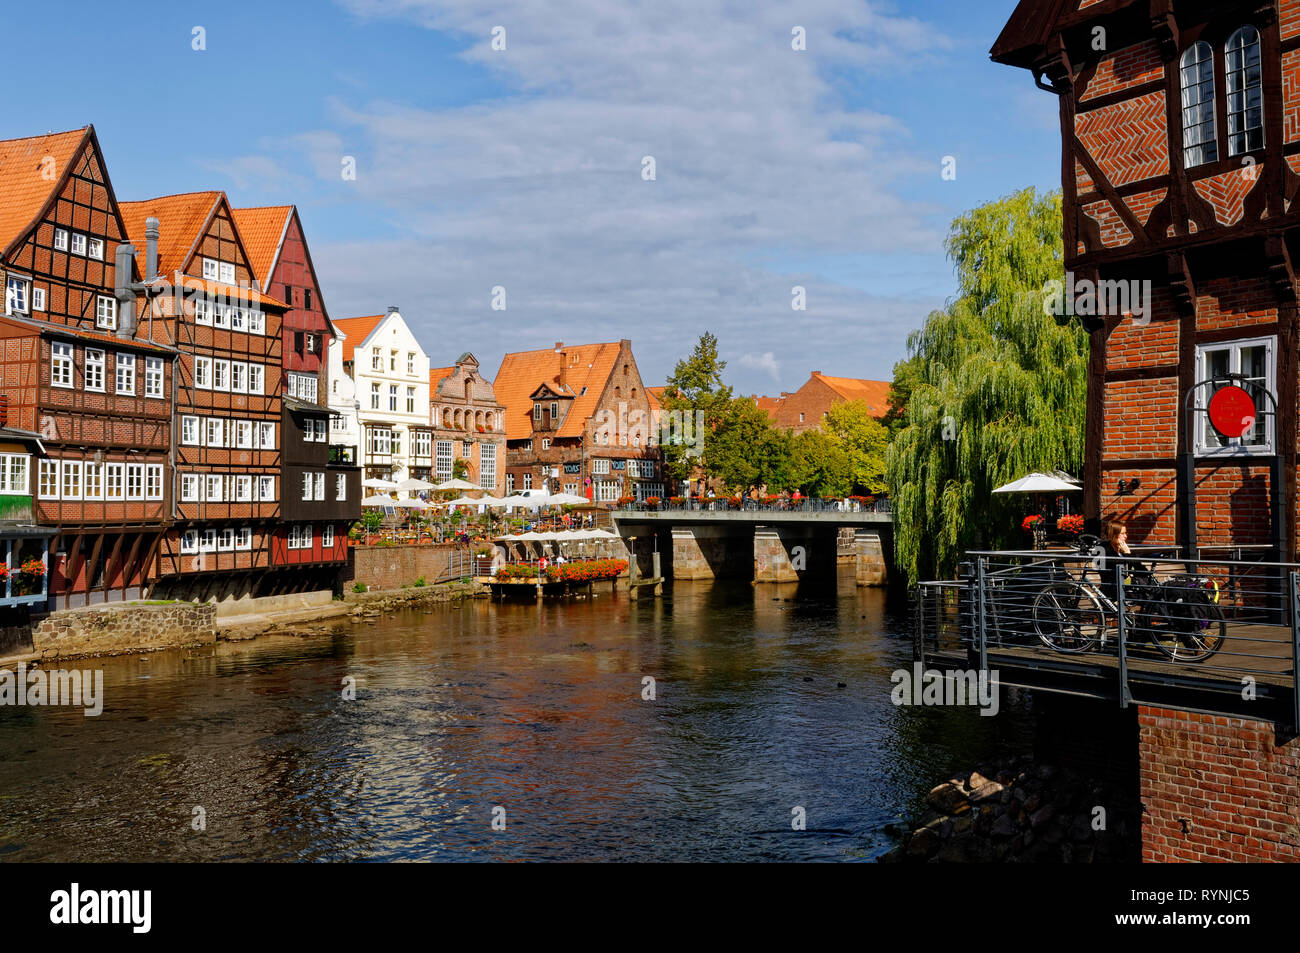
[1216, 789]
[114, 629]
[1124, 69]
[391, 567]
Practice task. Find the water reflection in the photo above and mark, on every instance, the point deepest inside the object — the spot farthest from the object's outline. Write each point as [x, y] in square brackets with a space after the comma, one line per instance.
[768, 698]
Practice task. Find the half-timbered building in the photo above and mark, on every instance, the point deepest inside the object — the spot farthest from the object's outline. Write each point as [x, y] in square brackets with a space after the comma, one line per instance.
[1180, 124]
[80, 371]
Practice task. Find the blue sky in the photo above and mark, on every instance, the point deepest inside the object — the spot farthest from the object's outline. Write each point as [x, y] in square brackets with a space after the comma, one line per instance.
[521, 168]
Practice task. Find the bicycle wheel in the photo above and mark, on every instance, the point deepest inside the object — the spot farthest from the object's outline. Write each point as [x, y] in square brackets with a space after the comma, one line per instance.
[1068, 617]
[1194, 638]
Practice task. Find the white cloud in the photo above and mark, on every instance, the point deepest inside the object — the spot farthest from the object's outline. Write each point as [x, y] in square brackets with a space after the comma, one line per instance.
[765, 362]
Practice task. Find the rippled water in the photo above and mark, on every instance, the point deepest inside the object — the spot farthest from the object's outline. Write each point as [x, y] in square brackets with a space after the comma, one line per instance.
[768, 698]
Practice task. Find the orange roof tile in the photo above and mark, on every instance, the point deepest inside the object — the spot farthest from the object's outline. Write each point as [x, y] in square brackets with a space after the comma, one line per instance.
[262, 230]
[586, 371]
[656, 396]
[357, 330]
[768, 404]
[436, 374]
[875, 394]
[24, 190]
[180, 218]
[22, 327]
[232, 294]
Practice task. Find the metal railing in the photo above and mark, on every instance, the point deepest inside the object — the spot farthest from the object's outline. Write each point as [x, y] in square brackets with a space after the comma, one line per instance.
[1220, 625]
[781, 506]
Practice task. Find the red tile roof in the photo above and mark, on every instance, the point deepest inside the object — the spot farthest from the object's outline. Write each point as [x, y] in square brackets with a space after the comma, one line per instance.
[769, 404]
[262, 230]
[25, 188]
[11, 326]
[875, 394]
[436, 374]
[656, 395]
[357, 330]
[180, 219]
[586, 368]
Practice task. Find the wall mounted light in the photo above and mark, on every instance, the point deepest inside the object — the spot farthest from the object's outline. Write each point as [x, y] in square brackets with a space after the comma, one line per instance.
[1127, 486]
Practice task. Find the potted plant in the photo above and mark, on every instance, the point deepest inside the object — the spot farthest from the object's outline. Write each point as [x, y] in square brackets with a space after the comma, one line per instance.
[27, 581]
[1071, 525]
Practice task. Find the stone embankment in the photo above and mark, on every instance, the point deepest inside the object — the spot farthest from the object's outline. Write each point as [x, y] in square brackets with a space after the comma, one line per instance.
[1019, 811]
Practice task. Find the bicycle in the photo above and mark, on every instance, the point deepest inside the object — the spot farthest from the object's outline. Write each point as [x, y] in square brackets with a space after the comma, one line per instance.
[1073, 616]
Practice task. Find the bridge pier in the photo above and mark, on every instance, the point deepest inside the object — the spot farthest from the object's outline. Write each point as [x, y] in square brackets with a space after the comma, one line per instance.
[696, 551]
[872, 569]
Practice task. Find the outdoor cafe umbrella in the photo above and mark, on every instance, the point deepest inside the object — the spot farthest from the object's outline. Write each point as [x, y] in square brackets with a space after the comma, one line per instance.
[413, 504]
[464, 501]
[456, 484]
[411, 483]
[568, 499]
[1039, 483]
[379, 499]
[374, 483]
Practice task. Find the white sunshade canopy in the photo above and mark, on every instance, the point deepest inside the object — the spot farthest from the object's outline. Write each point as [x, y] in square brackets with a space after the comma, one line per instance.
[463, 501]
[1039, 483]
[568, 499]
[526, 502]
[412, 483]
[379, 500]
[413, 504]
[456, 484]
[375, 483]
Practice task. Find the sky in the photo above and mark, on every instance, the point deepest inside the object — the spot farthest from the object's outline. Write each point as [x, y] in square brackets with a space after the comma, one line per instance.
[527, 168]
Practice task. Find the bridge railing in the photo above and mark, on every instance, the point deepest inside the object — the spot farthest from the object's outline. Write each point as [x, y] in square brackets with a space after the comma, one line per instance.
[1229, 626]
[779, 506]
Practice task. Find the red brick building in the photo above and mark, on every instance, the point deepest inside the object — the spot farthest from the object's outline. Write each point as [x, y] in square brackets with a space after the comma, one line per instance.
[1181, 131]
[81, 370]
[578, 420]
[199, 285]
[806, 408]
[468, 424]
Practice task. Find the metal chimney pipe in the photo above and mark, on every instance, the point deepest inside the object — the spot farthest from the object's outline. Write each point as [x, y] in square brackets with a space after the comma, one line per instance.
[123, 292]
[151, 225]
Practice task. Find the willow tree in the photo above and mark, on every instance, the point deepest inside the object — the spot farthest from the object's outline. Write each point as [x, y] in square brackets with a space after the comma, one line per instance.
[999, 390]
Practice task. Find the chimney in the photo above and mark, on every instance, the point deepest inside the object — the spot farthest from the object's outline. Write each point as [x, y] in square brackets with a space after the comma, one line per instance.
[564, 364]
[150, 248]
[392, 308]
[122, 291]
[816, 373]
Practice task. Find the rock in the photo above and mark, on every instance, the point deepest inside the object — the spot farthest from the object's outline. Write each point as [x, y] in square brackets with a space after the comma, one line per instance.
[945, 797]
[977, 781]
[945, 830]
[1046, 772]
[923, 843]
[1054, 835]
[985, 792]
[1033, 802]
[1083, 855]
[962, 824]
[1004, 826]
[1041, 816]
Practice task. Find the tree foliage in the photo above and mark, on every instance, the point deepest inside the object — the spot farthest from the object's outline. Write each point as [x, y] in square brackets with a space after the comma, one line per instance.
[999, 390]
[696, 385]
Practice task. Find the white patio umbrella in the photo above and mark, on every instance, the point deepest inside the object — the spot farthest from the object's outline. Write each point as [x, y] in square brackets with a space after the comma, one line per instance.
[413, 504]
[411, 483]
[568, 499]
[374, 483]
[1039, 483]
[379, 500]
[456, 484]
[463, 501]
[488, 499]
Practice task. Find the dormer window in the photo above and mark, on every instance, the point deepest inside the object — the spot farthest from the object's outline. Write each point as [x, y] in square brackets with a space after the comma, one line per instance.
[537, 411]
[555, 409]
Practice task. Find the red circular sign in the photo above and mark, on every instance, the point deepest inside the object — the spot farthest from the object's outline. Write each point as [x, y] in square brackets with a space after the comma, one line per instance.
[1232, 411]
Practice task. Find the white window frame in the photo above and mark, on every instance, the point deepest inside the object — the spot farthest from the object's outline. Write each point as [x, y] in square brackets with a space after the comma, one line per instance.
[62, 359]
[154, 374]
[244, 434]
[226, 272]
[135, 481]
[153, 481]
[47, 487]
[487, 465]
[318, 486]
[96, 361]
[244, 538]
[38, 299]
[243, 488]
[18, 292]
[70, 480]
[214, 488]
[256, 378]
[208, 541]
[203, 312]
[78, 244]
[14, 474]
[238, 377]
[114, 480]
[191, 488]
[189, 542]
[210, 271]
[60, 239]
[256, 325]
[340, 486]
[221, 374]
[95, 249]
[306, 485]
[124, 374]
[93, 481]
[266, 489]
[106, 312]
[265, 430]
[203, 373]
[190, 431]
[1234, 448]
[327, 537]
[214, 432]
[226, 540]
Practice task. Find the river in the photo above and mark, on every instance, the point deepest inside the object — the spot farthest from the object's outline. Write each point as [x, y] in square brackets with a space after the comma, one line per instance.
[766, 700]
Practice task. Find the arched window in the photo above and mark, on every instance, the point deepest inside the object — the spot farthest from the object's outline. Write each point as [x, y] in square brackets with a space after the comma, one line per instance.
[1244, 83]
[1199, 142]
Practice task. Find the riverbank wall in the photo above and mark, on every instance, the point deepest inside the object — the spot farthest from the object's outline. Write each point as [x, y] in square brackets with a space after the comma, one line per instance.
[391, 567]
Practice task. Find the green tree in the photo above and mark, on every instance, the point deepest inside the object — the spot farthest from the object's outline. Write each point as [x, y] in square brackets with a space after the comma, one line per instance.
[1001, 389]
[745, 450]
[696, 385]
[906, 374]
[820, 465]
[864, 440]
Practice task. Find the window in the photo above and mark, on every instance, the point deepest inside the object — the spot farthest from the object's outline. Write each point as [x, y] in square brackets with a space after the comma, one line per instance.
[96, 249]
[295, 537]
[216, 432]
[78, 243]
[303, 386]
[306, 486]
[1243, 80]
[226, 541]
[392, 397]
[487, 465]
[239, 377]
[442, 460]
[256, 378]
[13, 474]
[214, 488]
[61, 365]
[423, 443]
[208, 542]
[318, 486]
[288, 295]
[600, 465]
[135, 481]
[410, 363]
[221, 315]
[546, 443]
[266, 435]
[38, 299]
[48, 488]
[340, 486]
[210, 269]
[94, 369]
[376, 360]
[528, 481]
[510, 483]
[190, 431]
[244, 434]
[94, 481]
[189, 488]
[153, 482]
[227, 273]
[555, 410]
[203, 372]
[190, 541]
[374, 396]
[238, 320]
[306, 303]
[243, 489]
[327, 537]
[392, 361]
[466, 449]
[16, 295]
[1199, 142]
[266, 488]
[256, 325]
[112, 481]
[1256, 363]
[313, 343]
[244, 538]
[71, 479]
[220, 374]
[60, 239]
[124, 367]
[537, 411]
[153, 377]
[410, 400]
[339, 423]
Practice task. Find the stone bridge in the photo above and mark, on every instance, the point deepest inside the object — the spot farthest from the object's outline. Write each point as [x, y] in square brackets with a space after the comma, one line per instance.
[766, 545]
